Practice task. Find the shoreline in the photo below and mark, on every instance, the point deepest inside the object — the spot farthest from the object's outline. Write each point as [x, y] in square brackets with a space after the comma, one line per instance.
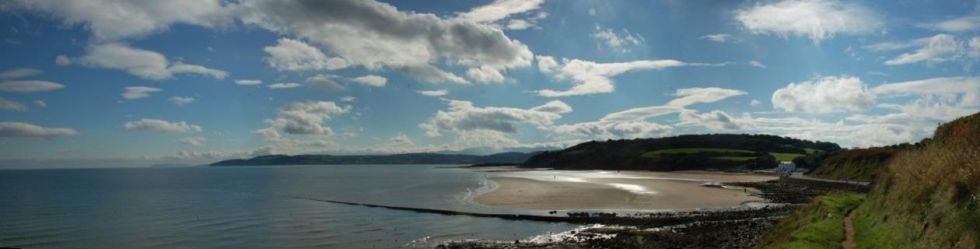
[550, 190]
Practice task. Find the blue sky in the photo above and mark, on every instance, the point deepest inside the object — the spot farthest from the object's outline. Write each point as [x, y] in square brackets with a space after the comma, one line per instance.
[198, 81]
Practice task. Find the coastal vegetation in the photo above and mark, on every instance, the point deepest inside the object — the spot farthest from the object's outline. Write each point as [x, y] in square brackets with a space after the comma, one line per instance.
[819, 225]
[685, 152]
[925, 196]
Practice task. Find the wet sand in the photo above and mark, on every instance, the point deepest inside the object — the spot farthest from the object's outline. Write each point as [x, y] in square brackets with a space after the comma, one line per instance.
[570, 190]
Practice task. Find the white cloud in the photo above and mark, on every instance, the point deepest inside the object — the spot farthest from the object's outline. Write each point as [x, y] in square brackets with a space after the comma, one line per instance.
[719, 38]
[621, 42]
[714, 120]
[244, 82]
[499, 9]
[295, 55]
[18, 73]
[815, 19]
[10, 105]
[939, 48]
[141, 63]
[830, 94]
[138, 92]
[959, 24]
[592, 78]
[755, 102]
[690, 96]
[180, 101]
[29, 86]
[485, 74]
[463, 116]
[325, 82]
[400, 140]
[372, 80]
[195, 141]
[968, 87]
[284, 85]
[554, 106]
[158, 125]
[302, 118]
[434, 93]
[111, 20]
[374, 35]
[40, 103]
[348, 99]
[20, 129]
[756, 64]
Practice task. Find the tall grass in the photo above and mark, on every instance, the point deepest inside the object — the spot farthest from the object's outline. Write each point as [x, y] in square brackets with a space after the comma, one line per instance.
[928, 197]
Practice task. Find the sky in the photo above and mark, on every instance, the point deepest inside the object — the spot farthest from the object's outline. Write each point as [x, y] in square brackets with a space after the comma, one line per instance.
[98, 82]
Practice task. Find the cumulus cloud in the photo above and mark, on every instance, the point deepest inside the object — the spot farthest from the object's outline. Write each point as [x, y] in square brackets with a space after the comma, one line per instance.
[110, 20]
[10, 105]
[463, 116]
[302, 118]
[620, 42]
[295, 55]
[325, 82]
[18, 73]
[374, 35]
[284, 85]
[141, 63]
[195, 141]
[29, 86]
[20, 129]
[371, 80]
[714, 120]
[148, 124]
[815, 19]
[968, 88]
[830, 94]
[719, 38]
[434, 93]
[592, 78]
[485, 74]
[245, 82]
[400, 140]
[138, 92]
[180, 100]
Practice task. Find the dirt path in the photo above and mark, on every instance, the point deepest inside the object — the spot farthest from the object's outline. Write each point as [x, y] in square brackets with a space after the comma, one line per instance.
[849, 232]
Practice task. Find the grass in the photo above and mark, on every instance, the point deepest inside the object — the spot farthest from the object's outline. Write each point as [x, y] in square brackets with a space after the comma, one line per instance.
[734, 158]
[819, 225]
[785, 156]
[656, 153]
[812, 150]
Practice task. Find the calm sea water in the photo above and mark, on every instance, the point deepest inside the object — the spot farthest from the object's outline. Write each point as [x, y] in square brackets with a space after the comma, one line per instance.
[247, 207]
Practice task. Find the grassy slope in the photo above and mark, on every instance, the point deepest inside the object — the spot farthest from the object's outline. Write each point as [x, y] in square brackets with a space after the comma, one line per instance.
[693, 150]
[854, 164]
[819, 225]
[785, 156]
[928, 198]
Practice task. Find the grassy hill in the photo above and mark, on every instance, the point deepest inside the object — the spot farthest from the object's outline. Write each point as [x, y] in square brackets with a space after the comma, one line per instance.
[711, 151]
[853, 164]
[928, 197]
[925, 196]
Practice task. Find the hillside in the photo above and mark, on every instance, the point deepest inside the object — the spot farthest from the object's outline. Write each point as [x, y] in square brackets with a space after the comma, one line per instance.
[412, 158]
[711, 151]
[925, 196]
[852, 164]
[928, 197]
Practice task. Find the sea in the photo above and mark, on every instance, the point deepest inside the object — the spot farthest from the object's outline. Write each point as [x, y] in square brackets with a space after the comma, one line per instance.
[250, 207]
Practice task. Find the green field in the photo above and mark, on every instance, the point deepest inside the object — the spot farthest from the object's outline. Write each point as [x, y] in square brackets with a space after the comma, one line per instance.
[656, 153]
[819, 225]
[785, 156]
[734, 158]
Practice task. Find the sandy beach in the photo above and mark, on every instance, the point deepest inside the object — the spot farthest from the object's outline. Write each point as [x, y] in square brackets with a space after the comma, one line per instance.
[639, 190]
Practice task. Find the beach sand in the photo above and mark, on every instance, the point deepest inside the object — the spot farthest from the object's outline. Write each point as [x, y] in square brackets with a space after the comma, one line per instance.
[570, 190]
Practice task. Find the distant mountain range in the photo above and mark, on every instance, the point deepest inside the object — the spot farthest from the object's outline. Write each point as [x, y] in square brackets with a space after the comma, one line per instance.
[411, 158]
